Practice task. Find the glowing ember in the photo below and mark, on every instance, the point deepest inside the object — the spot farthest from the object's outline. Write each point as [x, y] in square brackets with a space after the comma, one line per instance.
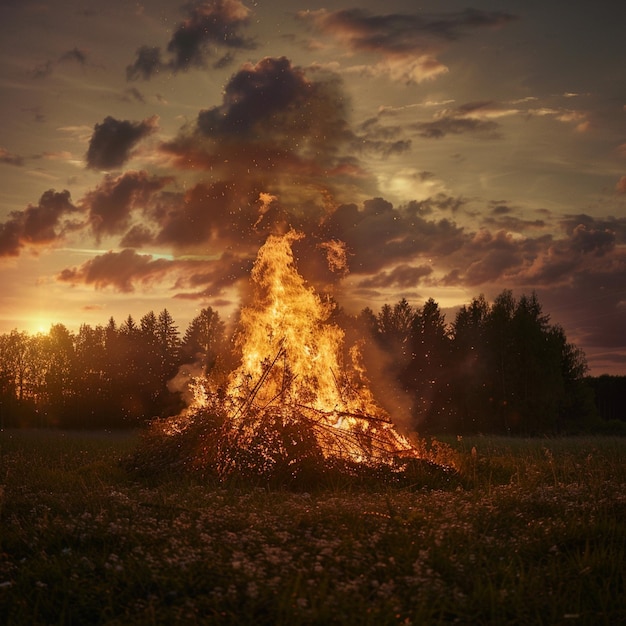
[292, 370]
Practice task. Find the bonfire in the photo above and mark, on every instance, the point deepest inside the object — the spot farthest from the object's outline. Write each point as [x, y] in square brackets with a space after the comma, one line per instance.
[298, 405]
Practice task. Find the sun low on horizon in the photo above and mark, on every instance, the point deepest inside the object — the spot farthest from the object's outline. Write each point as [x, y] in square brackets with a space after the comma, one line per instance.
[150, 150]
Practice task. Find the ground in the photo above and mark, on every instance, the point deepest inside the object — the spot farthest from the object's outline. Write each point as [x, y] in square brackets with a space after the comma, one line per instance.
[536, 535]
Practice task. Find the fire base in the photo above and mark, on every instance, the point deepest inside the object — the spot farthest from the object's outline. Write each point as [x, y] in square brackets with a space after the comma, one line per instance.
[281, 449]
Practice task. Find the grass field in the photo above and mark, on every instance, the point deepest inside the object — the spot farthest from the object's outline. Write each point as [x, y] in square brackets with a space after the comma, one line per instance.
[538, 536]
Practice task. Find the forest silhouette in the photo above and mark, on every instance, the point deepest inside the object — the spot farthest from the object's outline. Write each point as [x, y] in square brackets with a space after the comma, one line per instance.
[497, 368]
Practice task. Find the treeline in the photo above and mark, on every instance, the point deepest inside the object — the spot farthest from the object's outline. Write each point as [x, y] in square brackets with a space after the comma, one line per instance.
[108, 376]
[497, 368]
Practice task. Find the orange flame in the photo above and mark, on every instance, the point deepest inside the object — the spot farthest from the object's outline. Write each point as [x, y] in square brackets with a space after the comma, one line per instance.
[292, 364]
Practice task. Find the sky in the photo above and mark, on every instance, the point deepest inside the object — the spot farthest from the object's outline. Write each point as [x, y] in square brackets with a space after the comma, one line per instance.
[444, 149]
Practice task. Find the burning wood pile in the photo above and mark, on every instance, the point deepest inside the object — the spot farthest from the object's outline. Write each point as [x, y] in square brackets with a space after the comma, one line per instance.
[294, 409]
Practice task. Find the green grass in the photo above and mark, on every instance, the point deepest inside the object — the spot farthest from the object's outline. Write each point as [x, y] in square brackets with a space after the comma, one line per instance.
[538, 537]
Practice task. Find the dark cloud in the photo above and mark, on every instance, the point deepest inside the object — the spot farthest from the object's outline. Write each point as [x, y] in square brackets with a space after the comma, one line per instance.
[468, 118]
[133, 94]
[75, 55]
[404, 276]
[591, 241]
[502, 217]
[208, 26]
[226, 215]
[9, 158]
[615, 225]
[492, 256]
[379, 235]
[408, 44]
[127, 270]
[45, 69]
[290, 88]
[271, 91]
[384, 140]
[498, 208]
[473, 117]
[112, 141]
[278, 127]
[381, 142]
[37, 225]
[137, 237]
[119, 270]
[275, 104]
[214, 277]
[110, 204]
[583, 251]
[515, 224]
[147, 63]
[10, 238]
[209, 216]
[437, 203]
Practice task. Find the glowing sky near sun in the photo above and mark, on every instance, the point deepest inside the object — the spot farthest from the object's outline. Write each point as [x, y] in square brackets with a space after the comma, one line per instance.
[454, 149]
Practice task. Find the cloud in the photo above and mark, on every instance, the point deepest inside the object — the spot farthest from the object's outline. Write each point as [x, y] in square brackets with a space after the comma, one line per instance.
[110, 204]
[147, 63]
[389, 130]
[213, 277]
[272, 91]
[37, 225]
[75, 55]
[407, 44]
[119, 270]
[404, 276]
[485, 257]
[207, 27]
[503, 217]
[379, 235]
[474, 117]
[127, 270]
[513, 223]
[587, 247]
[213, 215]
[137, 237]
[9, 158]
[482, 118]
[277, 130]
[45, 69]
[616, 225]
[133, 94]
[384, 141]
[112, 141]
[590, 241]
[10, 238]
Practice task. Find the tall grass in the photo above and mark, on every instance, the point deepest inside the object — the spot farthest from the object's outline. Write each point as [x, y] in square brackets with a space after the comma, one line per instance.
[538, 536]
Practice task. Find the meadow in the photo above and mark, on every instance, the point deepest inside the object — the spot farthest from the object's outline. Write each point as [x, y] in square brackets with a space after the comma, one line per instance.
[536, 534]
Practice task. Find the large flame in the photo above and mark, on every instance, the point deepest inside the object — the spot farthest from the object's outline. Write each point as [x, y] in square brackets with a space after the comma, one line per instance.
[292, 366]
